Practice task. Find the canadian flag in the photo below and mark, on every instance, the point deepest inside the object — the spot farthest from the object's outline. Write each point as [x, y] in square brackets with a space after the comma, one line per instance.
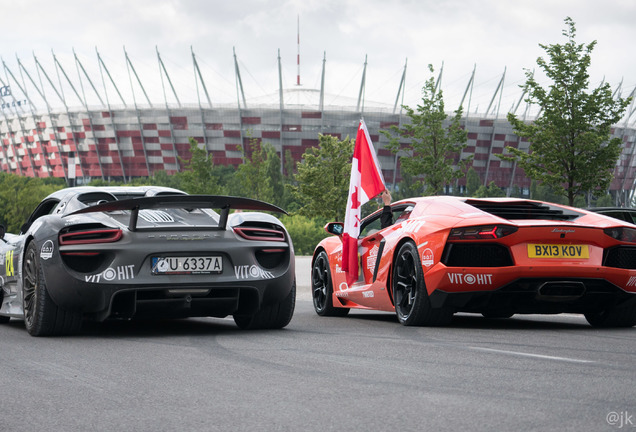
[366, 182]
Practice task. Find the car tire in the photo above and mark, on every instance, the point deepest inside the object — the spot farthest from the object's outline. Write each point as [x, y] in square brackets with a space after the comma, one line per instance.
[412, 304]
[623, 316]
[42, 317]
[275, 316]
[322, 288]
[3, 319]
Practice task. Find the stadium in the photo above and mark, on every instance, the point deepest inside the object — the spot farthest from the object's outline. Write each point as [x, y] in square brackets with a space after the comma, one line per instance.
[79, 126]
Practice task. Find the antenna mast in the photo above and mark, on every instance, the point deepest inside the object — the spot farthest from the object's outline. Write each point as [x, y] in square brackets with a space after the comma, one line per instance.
[298, 54]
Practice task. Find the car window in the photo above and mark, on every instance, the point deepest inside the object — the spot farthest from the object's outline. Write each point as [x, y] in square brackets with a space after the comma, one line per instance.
[370, 226]
[618, 214]
[44, 208]
[402, 214]
[373, 224]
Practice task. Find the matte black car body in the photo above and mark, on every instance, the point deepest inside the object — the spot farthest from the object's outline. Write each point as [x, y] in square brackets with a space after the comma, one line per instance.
[621, 213]
[106, 252]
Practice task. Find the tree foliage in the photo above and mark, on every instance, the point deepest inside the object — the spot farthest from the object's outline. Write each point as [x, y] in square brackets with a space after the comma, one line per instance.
[433, 149]
[259, 176]
[19, 196]
[409, 187]
[571, 150]
[489, 192]
[473, 182]
[544, 192]
[323, 178]
[198, 175]
[306, 232]
[604, 201]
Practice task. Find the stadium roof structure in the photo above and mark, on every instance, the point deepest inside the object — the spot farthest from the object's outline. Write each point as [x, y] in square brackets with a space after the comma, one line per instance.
[93, 124]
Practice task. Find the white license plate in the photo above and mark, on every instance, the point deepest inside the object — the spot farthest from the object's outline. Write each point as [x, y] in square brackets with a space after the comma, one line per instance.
[187, 265]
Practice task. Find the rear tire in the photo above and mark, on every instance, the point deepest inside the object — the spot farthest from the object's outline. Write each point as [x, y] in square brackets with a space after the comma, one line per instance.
[322, 288]
[622, 316]
[412, 305]
[42, 317]
[275, 316]
[3, 319]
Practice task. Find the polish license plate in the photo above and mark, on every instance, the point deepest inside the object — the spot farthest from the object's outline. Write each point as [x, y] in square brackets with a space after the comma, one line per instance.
[558, 251]
[187, 265]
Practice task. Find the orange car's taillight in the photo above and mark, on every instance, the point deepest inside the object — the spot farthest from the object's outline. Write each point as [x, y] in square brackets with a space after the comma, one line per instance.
[90, 237]
[483, 232]
[623, 234]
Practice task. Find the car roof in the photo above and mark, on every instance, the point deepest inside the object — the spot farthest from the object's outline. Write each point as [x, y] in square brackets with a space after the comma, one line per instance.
[115, 190]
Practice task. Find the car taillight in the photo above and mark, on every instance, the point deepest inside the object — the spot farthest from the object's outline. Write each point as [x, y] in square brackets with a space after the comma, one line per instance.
[623, 234]
[260, 234]
[484, 232]
[90, 237]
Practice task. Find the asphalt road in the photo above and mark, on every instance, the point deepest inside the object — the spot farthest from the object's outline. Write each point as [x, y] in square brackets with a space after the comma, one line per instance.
[363, 372]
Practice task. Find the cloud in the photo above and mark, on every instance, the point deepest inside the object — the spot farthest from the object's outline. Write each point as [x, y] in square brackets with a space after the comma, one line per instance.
[493, 35]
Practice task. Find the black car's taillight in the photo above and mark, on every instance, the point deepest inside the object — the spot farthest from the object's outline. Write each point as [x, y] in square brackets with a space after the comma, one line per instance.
[90, 236]
[260, 234]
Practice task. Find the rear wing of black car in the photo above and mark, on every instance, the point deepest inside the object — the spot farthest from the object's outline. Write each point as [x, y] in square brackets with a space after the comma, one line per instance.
[224, 203]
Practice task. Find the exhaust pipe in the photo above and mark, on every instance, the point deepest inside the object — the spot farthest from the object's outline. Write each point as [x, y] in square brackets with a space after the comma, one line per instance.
[561, 291]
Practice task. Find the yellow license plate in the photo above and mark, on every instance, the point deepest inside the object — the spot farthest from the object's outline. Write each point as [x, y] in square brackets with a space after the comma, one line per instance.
[557, 251]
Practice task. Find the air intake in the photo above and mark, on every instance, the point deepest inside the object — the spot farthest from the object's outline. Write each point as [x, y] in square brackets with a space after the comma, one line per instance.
[518, 210]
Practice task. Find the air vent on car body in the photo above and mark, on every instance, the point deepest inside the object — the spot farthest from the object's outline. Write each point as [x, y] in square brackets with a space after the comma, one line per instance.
[258, 233]
[156, 216]
[517, 210]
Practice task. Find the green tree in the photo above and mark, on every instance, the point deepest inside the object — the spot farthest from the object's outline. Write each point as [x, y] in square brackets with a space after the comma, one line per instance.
[272, 170]
[305, 232]
[516, 192]
[489, 192]
[19, 196]
[259, 176]
[409, 187]
[323, 178]
[543, 192]
[605, 201]
[433, 150]
[571, 149]
[473, 182]
[162, 178]
[198, 175]
[580, 201]
[290, 199]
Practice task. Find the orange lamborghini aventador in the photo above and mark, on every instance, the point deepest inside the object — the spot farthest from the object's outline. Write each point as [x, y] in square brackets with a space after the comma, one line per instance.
[493, 256]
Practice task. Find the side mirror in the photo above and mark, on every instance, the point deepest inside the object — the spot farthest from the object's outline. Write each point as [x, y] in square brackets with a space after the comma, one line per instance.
[336, 228]
[3, 231]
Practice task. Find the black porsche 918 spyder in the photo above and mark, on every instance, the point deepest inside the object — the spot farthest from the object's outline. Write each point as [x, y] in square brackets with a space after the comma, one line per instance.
[97, 253]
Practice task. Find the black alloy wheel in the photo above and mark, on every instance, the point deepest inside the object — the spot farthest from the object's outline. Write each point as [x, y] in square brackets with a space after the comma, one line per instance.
[412, 305]
[322, 288]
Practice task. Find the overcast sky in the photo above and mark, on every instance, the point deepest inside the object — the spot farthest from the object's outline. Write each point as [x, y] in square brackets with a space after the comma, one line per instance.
[491, 34]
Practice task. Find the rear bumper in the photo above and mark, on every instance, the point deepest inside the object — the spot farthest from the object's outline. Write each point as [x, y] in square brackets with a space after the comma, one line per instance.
[538, 295]
[127, 288]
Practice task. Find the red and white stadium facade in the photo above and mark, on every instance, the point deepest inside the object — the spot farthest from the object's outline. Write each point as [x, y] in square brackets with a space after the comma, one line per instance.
[120, 142]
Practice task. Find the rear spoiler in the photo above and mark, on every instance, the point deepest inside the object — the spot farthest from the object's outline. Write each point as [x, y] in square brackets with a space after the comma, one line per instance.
[225, 203]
